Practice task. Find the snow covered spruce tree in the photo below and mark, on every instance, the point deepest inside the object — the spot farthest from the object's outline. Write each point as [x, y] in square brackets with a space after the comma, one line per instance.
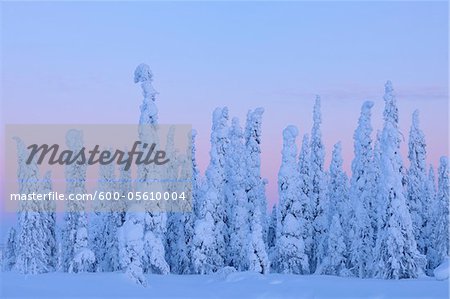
[190, 169]
[237, 197]
[131, 245]
[130, 234]
[155, 219]
[335, 262]
[123, 186]
[318, 192]
[105, 222]
[442, 225]
[180, 230]
[362, 197]
[305, 189]
[396, 254]
[255, 183]
[376, 170]
[49, 223]
[77, 257]
[175, 246]
[417, 192]
[255, 188]
[210, 228]
[197, 182]
[433, 219]
[31, 255]
[290, 247]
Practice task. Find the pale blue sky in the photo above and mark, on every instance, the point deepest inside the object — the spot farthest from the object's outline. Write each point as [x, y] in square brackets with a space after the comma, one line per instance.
[72, 62]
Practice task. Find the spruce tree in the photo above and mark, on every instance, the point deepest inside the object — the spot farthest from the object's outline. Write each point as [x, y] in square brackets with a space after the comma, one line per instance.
[106, 221]
[31, 255]
[153, 256]
[255, 189]
[417, 183]
[49, 223]
[305, 189]
[318, 194]
[362, 197]
[211, 228]
[335, 262]
[236, 196]
[291, 255]
[255, 185]
[396, 249]
[75, 229]
[442, 226]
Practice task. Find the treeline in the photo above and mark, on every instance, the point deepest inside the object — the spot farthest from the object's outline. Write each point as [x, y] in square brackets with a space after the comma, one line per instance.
[385, 221]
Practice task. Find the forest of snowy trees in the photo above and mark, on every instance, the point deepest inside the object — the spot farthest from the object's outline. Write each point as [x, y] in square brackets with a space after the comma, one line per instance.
[386, 221]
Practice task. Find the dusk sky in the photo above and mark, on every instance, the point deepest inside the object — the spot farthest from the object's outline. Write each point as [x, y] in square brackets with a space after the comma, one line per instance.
[73, 62]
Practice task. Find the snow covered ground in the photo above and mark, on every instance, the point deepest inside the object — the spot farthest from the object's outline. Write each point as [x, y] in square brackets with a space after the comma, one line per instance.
[233, 285]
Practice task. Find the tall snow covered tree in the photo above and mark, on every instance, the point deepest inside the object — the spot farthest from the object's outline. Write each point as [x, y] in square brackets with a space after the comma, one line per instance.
[105, 223]
[433, 218]
[255, 183]
[48, 215]
[362, 197]
[76, 255]
[290, 247]
[31, 255]
[175, 247]
[335, 262]
[396, 254]
[305, 189]
[376, 206]
[190, 170]
[153, 258]
[318, 192]
[210, 228]
[442, 225]
[194, 193]
[237, 197]
[180, 230]
[255, 189]
[131, 245]
[418, 183]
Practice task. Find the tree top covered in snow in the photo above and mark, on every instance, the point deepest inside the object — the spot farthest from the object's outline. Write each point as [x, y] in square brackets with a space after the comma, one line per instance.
[316, 113]
[366, 107]
[290, 132]
[390, 109]
[143, 73]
